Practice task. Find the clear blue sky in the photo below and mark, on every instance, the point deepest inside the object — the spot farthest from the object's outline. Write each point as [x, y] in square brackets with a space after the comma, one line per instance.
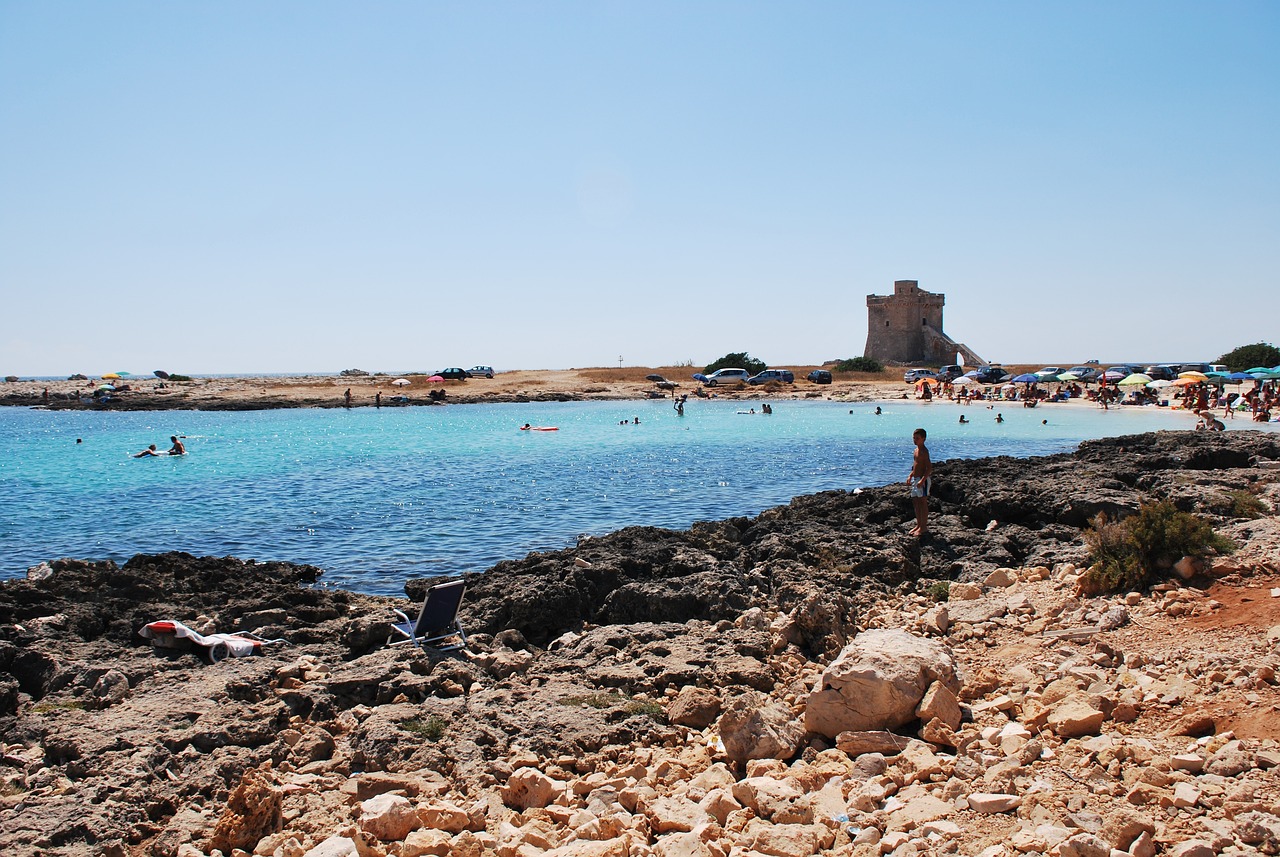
[242, 187]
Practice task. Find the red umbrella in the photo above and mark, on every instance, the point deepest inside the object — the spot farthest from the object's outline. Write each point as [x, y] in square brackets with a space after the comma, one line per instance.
[436, 378]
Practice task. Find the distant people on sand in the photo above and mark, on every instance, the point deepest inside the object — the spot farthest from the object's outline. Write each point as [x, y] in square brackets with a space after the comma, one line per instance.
[919, 481]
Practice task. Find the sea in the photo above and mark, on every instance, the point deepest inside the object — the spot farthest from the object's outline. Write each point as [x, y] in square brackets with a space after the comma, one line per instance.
[376, 496]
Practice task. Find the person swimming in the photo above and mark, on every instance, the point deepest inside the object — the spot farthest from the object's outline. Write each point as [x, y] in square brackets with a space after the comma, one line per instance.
[963, 420]
[150, 450]
[177, 448]
[999, 418]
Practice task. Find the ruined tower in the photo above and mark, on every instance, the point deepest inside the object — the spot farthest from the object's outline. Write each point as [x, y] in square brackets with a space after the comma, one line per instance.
[906, 327]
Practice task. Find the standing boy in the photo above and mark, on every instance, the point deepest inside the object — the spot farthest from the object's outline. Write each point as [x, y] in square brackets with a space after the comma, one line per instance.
[918, 480]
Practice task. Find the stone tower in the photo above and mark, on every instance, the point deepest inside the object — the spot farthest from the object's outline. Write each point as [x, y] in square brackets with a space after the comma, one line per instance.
[906, 327]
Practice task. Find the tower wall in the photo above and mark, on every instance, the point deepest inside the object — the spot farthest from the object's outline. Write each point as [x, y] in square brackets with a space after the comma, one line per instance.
[902, 327]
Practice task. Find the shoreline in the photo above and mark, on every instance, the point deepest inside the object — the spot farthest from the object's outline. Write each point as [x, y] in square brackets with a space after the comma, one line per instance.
[521, 386]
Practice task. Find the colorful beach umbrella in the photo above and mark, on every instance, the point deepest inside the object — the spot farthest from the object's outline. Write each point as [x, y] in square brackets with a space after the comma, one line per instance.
[1258, 369]
[1068, 376]
[1186, 382]
[1135, 380]
[1199, 376]
[1027, 378]
[112, 375]
[400, 382]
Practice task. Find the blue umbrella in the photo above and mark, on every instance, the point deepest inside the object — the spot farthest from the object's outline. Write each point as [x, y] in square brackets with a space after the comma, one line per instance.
[1027, 378]
[1240, 376]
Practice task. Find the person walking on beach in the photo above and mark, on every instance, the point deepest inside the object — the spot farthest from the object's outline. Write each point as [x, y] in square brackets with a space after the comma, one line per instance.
[347, 398]
[919, 481]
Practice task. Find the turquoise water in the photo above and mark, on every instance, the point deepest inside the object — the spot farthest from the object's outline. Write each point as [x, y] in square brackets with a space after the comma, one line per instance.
[375, 496]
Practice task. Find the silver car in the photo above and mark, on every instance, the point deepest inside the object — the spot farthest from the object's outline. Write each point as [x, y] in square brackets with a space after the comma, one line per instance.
[728, 376]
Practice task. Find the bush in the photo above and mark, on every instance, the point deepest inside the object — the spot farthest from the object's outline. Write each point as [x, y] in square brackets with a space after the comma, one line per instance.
[1242, 504]
[940, 590]
[179, 377]
[737, 360]
[432, 728]
[1249, 356]
[859, 364]
[1125, 555]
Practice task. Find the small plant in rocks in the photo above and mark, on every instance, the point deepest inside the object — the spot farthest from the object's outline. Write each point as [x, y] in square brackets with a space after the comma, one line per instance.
[432, 728]
[1128, 554]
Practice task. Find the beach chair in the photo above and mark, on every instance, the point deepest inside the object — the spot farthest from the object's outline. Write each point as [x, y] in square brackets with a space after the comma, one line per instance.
[437, 626]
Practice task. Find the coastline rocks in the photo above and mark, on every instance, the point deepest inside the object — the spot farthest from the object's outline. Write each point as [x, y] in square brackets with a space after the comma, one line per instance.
[753, 726]
[877, 682]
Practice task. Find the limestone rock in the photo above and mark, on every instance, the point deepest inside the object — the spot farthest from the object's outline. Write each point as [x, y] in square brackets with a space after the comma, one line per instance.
[529, 787]
[987, 802]
[253, 811]
[695, 707]
[877, 681]
[858, 743]
[755, 726]
[388, 817]
[1074, 716]
[940, 702]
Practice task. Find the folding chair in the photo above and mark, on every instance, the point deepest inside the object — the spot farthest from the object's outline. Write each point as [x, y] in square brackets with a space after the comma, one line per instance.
[437, 621]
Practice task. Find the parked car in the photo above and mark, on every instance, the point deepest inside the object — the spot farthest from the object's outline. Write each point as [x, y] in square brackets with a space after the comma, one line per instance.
[988, 374]
[820, 376]
[728, 376]
[1160, 372]
[950, 372]
[1050, 370]
[911, 376]
[477, 371]
[783, 376]
[1219, 367]
[1084, 373]
[1195, 367]
[453, 373]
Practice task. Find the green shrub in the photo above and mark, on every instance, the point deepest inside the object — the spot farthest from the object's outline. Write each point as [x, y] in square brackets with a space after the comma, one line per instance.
[179, 377]
[432, 728]
[940, 590]
[859, 364]
[1243, 504]
[737, 360]
[1248, 356]
[630, 707]
[1125, 555]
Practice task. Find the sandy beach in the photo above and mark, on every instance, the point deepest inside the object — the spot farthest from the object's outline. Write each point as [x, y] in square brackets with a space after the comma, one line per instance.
[147, 393]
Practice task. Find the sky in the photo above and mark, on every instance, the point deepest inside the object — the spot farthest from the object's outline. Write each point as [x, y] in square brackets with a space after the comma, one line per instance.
[240, 187]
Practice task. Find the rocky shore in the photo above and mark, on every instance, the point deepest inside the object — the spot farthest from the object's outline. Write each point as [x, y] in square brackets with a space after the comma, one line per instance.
[808, 681]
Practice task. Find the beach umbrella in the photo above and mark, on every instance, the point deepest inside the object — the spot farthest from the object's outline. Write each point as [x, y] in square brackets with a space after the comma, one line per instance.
[1068, 376]
[1258, 369]
[1199, 376]
[112, 375]
[1267, 375]
[161, 374]
[400, 382]
[963, 380]
[105, 387]
[654, 377]
[1241, 377]
[923, 381]
[436, 378]
[1111, 375]
[1186, 382]
[698, 376]
[1213, 374]
[1160, 385]
[1027, 378]
[1135, 379]
[125, 374]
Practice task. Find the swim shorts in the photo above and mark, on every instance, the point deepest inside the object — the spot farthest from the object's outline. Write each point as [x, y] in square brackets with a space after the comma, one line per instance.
[920, 487]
